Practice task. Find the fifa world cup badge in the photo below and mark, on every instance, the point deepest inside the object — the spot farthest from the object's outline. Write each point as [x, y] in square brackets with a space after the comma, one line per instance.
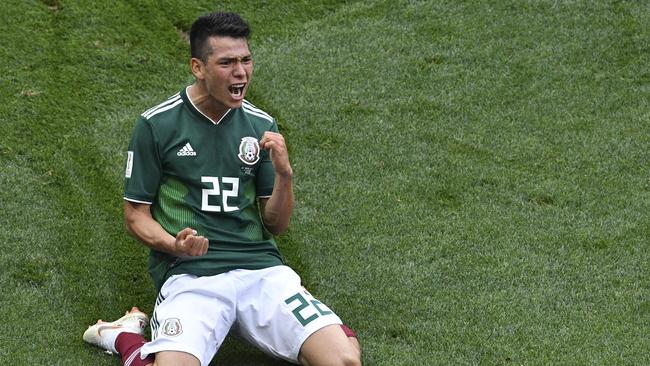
[249, 150]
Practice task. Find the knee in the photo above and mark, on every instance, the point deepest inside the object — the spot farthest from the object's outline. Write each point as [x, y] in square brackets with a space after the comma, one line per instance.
[351, 355]
[329, 346]
[351, 359]
[355, 353]
[347, 356]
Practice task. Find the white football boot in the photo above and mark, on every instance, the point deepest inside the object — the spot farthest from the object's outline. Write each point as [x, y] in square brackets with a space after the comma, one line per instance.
[103, 334]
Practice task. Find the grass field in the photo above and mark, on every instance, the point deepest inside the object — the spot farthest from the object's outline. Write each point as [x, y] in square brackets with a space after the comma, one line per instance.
[472, 177]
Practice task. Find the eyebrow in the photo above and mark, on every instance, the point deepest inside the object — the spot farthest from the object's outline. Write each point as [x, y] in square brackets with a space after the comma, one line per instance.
[235, 58]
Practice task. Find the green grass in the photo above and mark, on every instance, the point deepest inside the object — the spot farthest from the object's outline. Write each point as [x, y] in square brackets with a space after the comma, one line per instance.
[471, 177]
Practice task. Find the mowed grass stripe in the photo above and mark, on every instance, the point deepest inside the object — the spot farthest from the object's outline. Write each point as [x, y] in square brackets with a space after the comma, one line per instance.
[473, 162]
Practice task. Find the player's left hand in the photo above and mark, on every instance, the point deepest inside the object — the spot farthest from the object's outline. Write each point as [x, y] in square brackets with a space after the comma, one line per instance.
[274, 143]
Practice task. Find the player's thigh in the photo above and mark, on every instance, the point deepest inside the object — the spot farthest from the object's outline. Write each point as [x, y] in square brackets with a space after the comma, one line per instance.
[276, 314]
[172, 358]
[192, 315]
[330, 346]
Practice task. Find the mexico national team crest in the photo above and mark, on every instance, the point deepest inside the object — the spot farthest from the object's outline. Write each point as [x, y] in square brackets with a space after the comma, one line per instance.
[249, 150]
[172, 327]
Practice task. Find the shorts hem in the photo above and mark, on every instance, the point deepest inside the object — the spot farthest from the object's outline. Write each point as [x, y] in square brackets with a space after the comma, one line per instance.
[150, 349]
[296, 351]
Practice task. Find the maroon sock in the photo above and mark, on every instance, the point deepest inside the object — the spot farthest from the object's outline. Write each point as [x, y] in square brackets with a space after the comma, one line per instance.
[128, 346]
[348, 332]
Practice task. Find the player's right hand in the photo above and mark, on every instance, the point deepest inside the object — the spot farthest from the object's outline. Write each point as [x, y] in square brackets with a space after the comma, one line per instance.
[188, 244]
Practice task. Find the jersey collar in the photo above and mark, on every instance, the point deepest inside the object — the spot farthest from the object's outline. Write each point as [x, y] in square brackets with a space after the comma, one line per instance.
[197, 112]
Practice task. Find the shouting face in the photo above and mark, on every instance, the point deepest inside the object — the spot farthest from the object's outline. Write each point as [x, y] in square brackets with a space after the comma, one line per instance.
[225, 72]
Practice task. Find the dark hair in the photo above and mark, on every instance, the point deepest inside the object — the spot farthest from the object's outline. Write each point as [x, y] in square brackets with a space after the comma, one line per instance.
[215, 24]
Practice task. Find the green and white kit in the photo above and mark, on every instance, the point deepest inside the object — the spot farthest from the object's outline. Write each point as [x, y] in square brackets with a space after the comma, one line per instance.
[208, 175]
[204, 175]
[266, 307]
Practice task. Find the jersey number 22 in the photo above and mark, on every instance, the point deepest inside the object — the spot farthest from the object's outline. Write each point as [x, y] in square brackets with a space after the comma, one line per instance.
[230, 189]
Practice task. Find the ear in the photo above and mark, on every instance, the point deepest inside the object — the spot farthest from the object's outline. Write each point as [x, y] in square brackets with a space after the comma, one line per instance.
[196, 65]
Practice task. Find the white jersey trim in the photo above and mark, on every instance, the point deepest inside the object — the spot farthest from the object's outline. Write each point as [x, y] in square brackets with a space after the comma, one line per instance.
[137, 201]
[249, 108]
[169, 100]
[162, 109]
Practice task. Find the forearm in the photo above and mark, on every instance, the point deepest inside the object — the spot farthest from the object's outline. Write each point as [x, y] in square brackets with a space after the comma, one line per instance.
[278, 208]
[145, 229]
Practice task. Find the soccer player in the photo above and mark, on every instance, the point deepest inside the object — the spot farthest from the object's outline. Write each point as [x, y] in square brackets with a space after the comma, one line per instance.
[208, 183]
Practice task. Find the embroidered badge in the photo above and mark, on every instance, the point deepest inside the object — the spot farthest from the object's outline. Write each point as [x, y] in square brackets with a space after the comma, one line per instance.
[172, 327]
[249, 150]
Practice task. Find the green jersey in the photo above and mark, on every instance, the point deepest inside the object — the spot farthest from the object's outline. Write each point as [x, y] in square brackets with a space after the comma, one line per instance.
[206, 175]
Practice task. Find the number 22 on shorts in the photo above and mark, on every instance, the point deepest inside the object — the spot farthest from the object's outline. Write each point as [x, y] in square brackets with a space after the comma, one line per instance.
[308, 309]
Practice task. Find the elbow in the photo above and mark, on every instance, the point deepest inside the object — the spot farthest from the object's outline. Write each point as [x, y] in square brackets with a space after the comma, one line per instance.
[277, 229]
[128, 226]
[129, 230]
[276, 220]
[130, 219]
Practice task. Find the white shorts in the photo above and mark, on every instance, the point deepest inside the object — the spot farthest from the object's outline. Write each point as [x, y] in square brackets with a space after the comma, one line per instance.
[267, 307]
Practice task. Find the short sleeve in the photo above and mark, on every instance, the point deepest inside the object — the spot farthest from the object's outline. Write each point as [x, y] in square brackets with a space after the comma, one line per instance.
[143, 167]
[266, 174]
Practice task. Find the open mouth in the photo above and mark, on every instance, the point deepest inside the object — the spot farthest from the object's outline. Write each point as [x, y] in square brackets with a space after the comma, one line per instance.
[237, 90]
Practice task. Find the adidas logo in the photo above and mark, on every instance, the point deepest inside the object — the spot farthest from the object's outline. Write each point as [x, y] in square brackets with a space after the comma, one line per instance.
[186, 151]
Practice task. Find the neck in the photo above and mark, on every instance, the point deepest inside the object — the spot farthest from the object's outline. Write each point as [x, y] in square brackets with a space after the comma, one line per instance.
[206, 104]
